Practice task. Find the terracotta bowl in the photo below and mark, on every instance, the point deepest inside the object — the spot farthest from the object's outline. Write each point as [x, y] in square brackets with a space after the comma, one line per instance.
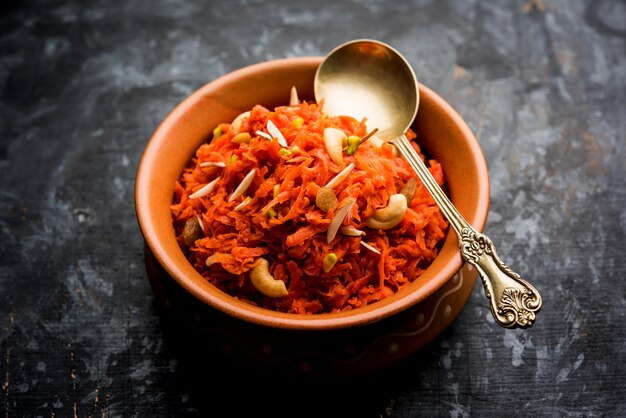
[339, 343]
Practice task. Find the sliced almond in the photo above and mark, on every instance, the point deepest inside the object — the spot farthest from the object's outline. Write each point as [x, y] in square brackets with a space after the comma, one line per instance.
[351, 231]
[205, 190]
[275, 132]
[264, 135]
[369, 247]
[199, 218]
[213, 164]
[245, 202]
[243, 186]
[338, 218]
[340, 177]
[293, 99]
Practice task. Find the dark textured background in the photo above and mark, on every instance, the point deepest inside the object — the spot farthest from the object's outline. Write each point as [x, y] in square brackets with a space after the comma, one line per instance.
[84, 84]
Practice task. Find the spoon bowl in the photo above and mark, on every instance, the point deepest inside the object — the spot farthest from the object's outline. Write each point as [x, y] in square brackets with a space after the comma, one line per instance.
[369, 79]
[370, 74]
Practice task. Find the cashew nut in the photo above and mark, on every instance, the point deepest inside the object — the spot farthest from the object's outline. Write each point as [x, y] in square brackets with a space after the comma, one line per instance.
[389, 216]
[333, 141]
[235, 125]
[263, 281]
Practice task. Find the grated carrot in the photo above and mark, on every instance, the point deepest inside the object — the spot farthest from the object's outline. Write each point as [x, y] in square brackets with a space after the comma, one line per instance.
[288, 229]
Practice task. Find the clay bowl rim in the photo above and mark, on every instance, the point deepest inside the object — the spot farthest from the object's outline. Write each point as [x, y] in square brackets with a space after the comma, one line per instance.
[162, 243]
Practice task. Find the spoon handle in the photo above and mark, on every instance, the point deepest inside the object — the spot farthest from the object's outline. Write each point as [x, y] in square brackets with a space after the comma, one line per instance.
[513, 301]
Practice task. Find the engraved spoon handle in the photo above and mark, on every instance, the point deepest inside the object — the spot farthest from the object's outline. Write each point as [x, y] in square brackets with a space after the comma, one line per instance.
[513, 301]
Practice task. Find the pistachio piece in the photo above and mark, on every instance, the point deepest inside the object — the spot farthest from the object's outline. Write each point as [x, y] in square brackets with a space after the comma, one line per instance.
[329, 262]
[353, 143]
[241, 138]
[217, 132]
[297, 123]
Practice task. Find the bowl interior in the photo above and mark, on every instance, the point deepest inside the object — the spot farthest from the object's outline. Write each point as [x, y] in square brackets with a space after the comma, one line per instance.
[441, 132]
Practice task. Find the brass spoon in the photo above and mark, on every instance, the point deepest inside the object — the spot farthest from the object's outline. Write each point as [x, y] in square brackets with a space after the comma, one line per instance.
[367, 78]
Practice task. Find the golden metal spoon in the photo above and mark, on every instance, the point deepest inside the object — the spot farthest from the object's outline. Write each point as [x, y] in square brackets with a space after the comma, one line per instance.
[367, 78]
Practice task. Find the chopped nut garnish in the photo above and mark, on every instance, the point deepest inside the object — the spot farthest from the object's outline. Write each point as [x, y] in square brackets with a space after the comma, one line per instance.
[353, 143]
[265, 283]
[217, 132]
[343, 174]
[213, 164]
[333, 141]
[338, 218]
[241, 138]
[243, 186]
[275, 132]
[205, 190]
[245, 202]
[297, 123]
[264, 135]
[293, 99]
[329, 262]
[389, 216]
[351, 231]
[369, 247]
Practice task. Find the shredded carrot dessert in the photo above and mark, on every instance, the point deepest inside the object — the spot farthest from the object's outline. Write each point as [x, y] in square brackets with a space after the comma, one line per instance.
[296, 211]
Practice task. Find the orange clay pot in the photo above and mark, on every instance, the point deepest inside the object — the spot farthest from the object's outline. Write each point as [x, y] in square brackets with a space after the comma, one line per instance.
[339, 343]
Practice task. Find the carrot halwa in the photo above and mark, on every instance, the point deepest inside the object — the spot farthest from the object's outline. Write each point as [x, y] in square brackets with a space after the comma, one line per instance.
[314, 206]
